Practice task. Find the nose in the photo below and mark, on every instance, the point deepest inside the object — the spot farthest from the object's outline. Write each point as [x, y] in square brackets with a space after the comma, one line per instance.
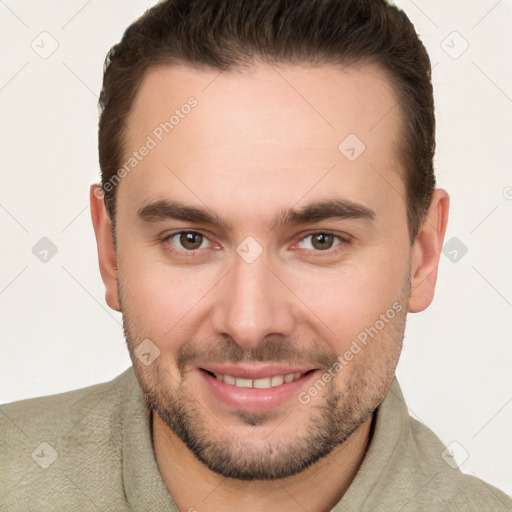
[251, 303]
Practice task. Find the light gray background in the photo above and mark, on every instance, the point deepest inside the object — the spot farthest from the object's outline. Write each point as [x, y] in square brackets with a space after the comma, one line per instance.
[57, 332]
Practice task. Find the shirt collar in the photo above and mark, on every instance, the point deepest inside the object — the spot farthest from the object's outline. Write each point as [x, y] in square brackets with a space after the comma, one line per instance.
[143, 484]
[389, 440]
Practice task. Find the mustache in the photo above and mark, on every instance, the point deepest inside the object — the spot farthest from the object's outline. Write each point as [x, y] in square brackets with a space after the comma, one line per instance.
[269, 351]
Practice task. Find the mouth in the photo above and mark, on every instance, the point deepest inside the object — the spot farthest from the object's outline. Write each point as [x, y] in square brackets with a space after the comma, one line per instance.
[252, 389]
[261, 383]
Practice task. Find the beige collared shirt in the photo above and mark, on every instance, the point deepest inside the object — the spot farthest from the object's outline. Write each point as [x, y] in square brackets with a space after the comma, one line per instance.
[91, 450]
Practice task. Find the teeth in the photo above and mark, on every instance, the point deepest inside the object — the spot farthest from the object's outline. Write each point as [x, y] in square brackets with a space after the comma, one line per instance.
[277, 380]
[243, 383]
[264, 383]
[229, 380]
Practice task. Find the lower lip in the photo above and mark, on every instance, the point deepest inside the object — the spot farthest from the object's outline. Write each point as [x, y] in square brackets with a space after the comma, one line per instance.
[255, 399]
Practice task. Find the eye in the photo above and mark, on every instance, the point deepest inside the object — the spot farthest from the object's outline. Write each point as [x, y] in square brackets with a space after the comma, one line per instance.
[320, 241]
[188, 240]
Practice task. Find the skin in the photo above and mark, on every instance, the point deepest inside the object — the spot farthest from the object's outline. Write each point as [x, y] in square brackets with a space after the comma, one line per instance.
[259, 142]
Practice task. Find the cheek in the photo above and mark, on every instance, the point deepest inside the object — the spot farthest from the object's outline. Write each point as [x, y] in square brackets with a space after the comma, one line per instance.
[160, 299]
[341, 304]
[154, 308]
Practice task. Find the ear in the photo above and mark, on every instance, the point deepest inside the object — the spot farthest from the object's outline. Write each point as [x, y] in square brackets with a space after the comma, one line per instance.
[426, 252]
[105, 242]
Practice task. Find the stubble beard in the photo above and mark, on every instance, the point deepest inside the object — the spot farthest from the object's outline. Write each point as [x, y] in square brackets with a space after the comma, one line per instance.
[334, 416]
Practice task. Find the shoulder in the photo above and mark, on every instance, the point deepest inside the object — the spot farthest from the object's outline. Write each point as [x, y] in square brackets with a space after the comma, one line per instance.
[59, 414]
[49, 444]
[443, 480]
[407, 467]
[48, 408]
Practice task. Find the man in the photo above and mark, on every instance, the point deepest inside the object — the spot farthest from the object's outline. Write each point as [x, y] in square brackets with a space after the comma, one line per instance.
[266, 219]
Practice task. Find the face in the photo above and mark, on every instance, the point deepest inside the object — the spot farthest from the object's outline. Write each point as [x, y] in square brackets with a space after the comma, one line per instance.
[264, 264]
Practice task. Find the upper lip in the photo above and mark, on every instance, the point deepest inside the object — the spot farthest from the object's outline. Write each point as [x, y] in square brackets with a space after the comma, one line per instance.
[253, 372]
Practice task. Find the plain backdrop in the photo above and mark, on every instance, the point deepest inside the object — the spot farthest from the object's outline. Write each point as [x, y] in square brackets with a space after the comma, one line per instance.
[57, 333]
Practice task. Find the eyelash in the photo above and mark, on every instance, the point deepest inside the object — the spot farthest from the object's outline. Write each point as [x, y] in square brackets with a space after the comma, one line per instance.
[343, 241]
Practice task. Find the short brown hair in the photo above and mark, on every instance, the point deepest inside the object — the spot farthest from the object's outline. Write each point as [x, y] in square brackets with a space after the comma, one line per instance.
[224, 34]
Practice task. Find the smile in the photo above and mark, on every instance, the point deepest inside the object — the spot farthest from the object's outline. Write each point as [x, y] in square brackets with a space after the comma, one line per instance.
[254, 388]
[263, 383]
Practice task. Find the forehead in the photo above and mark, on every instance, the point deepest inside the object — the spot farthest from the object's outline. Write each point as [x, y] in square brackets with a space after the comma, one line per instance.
[285, 131]
[313, 103]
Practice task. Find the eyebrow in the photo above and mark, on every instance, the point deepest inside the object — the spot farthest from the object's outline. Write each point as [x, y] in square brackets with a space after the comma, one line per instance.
[315, 212]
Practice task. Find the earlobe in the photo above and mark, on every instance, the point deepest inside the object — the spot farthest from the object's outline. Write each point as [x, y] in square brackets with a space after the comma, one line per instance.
[427, 251]
[105, 243]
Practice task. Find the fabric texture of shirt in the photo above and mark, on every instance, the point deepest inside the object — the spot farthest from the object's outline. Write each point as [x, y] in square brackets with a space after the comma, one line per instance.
[91, 450]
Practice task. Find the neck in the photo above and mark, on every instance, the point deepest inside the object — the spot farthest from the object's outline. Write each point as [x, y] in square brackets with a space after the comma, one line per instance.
[193, 486]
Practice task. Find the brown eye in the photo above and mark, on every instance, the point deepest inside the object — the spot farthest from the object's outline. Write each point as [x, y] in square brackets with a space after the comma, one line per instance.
[322, 241]
[190, 240]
